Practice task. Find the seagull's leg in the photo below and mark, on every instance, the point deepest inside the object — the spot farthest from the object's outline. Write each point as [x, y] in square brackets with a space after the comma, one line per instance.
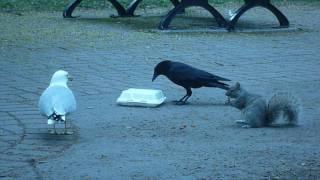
[65, 126]
[66, 130]
[54, 128]
[51, 122]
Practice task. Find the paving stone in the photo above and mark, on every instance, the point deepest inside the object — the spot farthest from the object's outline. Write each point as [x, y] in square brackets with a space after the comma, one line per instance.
[197, 141]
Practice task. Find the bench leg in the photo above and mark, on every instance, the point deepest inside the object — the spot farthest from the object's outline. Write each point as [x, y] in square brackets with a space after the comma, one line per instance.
[251, 4]
[283, 21]
[132, 7]
[175, 2]
[215, 13]
[120, 9]
[164, 24]
[122, 12]
[67, 13]
[234, 19]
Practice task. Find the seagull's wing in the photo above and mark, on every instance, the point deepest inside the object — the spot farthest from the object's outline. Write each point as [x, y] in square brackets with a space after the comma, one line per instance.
[57, 99]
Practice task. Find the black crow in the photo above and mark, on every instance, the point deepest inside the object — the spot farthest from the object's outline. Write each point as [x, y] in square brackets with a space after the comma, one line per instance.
[188, 77]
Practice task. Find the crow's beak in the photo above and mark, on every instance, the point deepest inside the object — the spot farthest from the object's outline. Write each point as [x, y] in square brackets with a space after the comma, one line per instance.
[154, 77]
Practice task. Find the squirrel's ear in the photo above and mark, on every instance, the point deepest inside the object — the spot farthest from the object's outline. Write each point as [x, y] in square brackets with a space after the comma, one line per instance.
[238, 85]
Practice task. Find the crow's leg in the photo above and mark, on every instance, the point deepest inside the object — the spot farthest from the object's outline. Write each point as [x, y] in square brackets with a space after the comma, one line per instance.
[189, 93]
[180, 101]
[184, 99]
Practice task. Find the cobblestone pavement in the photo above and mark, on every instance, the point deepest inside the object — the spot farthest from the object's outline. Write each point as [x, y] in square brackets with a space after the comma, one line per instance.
[196, 141]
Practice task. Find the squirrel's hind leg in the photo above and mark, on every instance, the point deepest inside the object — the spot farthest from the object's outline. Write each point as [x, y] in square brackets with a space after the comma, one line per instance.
[246, 126]
[243, 123]
[240, 121]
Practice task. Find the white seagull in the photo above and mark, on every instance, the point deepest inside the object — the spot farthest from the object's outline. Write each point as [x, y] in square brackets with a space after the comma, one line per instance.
[57, 100]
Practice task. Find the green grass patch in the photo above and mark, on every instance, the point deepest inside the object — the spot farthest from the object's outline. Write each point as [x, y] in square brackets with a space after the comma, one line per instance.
[46, 5]
[58, 5]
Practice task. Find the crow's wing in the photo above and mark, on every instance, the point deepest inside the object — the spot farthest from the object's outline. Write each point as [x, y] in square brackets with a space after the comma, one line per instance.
[188, 74]
[203, 75]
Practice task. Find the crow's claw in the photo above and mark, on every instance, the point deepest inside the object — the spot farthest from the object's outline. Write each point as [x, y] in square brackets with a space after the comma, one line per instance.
[180, 102]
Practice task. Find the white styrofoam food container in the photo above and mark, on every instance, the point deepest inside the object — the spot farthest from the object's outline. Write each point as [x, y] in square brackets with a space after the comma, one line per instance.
[141, 97]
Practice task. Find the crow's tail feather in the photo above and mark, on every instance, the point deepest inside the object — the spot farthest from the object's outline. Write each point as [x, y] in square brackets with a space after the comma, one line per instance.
[218, 85]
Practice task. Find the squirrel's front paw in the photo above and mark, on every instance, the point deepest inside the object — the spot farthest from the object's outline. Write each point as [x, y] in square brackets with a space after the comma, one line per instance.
[227, 102]
[246, 126]
[240, 121]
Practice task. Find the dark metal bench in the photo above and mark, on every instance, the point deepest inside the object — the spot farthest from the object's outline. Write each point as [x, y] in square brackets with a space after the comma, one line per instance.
[67, 13]
[255, 3]
[179, 7]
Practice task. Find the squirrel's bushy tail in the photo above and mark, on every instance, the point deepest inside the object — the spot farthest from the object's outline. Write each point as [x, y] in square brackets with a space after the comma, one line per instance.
[283, 105]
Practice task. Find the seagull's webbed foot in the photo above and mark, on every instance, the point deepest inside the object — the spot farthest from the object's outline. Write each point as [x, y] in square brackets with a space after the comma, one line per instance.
[52, 131]
[66, 132]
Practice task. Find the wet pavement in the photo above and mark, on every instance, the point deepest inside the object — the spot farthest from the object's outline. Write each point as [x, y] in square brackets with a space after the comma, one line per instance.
[196, 141]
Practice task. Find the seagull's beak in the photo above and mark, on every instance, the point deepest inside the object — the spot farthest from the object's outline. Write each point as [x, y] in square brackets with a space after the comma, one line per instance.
[154, 76]
[70, 78]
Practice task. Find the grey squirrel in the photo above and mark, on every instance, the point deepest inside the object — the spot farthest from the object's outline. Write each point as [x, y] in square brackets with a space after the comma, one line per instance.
[258, 113]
